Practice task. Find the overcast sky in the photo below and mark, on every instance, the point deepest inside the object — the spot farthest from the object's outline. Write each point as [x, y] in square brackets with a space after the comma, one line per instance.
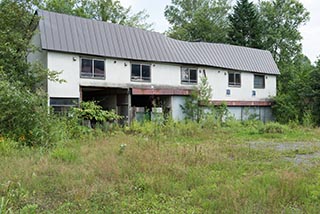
[310, 31]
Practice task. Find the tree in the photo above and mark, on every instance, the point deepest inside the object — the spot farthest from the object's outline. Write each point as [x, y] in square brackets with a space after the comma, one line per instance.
[204, 20]
[244, 25]
[296, 101]
[281, 20]
[103, 10]
[315, 85]
[23, 106]
[17, 26]
[200, 97]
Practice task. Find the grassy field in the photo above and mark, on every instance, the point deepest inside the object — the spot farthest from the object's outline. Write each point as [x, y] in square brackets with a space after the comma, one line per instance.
[176, 168]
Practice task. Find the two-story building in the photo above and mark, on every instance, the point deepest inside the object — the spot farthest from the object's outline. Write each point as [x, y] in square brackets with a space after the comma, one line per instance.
[124, 67]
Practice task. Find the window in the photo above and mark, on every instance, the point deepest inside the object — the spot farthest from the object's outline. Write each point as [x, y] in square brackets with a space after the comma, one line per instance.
[62, 105]
[258, 81]
[92, 68]
[189, 75]
[140, 72]
[234, 79]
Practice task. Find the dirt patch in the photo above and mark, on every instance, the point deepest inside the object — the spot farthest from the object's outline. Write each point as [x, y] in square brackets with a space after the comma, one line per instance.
[300, 152]
[309, 159]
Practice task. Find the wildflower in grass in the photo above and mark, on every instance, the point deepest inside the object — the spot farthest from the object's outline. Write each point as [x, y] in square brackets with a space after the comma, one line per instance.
[22, 138]
[122, 148]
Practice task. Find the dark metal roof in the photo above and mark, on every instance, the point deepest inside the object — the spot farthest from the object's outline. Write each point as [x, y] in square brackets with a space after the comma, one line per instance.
[60, 32]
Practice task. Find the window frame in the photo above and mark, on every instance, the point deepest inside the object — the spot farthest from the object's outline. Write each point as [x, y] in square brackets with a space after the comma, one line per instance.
[189, 81]
[93, 76]
[141, 78]
[263, 78]
[234, 83]
[65, 103]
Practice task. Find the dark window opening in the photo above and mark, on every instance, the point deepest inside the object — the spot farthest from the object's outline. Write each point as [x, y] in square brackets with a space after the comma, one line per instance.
[234, 79]
[63, 105]
[189, 75]
[92, 68]
[141, 72]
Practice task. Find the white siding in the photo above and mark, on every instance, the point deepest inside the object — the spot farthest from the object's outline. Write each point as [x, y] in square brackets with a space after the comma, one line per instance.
[164, 74]
[69, 65]
[118, 74]
[218, 79]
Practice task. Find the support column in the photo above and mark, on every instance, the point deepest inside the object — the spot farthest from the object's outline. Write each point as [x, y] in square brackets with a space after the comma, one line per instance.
[129, 107]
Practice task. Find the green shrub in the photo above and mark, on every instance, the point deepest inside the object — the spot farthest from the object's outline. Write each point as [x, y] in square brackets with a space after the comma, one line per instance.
[274, 128]
[232, 123]
[284, 109]
[307, 119]
[24, 115]
[90, 110]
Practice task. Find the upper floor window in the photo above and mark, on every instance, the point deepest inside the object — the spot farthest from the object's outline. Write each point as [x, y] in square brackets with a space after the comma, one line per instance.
[189, 75]
[141, 72]
[234, 79]
[92, 68]
[258, 81]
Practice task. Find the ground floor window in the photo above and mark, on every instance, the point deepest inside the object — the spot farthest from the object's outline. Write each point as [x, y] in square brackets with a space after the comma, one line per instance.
[62, 105]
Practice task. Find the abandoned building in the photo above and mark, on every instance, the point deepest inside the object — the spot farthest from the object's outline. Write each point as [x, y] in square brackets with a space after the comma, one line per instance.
[132, 70]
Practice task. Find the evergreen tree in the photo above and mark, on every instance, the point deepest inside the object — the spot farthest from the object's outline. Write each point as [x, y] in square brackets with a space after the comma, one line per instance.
[244, 25]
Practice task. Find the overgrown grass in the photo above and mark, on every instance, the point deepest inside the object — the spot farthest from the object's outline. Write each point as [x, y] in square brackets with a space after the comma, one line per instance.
[166, 168]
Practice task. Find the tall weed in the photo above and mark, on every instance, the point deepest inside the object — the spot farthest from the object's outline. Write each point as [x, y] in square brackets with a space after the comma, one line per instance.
[274, 128]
